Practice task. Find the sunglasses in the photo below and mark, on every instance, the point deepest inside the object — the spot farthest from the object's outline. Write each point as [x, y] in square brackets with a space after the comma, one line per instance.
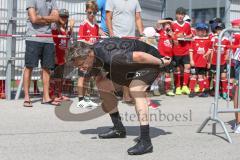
[92, 13]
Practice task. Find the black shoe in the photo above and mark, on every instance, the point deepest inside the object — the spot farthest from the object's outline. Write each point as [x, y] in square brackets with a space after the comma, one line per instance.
[191, 95]
[141, 147]
[203, 94]
[113, 133]
[137, 139]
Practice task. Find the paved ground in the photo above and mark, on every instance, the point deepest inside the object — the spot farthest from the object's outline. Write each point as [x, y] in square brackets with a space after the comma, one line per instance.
[37, 133]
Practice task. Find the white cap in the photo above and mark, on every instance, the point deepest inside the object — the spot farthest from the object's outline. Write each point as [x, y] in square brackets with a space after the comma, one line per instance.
[150, 32]
[186, 18]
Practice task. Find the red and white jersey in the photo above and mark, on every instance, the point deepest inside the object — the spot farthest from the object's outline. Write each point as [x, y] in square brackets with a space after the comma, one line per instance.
[86, 30]
[61, 44]
[200, 47]
[183, 46]
[224, 50]
[236, 40]
[165, 46]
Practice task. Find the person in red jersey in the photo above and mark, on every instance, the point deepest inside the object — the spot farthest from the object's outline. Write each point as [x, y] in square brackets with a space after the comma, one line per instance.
[236, 24]
[89, 29]
[182, 29]
[188, 19]
[165, 47]
[217, 28]
[61, 44]
[88, 32]
[200, 52]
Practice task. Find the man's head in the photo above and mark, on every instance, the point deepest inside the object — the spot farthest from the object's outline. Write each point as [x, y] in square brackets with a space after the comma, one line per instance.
[81, 55]
[91, 9]
[201, 29]
[64, 15]
[217, 27]
[180, 14]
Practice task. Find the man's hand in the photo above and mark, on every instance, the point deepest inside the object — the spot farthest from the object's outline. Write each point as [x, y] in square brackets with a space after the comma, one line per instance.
[192, 63]
[71, 23]
[166, 61]
[101, 32]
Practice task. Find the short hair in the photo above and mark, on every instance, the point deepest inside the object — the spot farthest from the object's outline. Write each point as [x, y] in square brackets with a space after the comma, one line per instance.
[79, 49]
[91, 4]
[181, 10]
[168, 18]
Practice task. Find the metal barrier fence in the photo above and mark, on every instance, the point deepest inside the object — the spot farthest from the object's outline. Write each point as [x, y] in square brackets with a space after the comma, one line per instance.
[13, 21]
[13, 18]
[215, 108]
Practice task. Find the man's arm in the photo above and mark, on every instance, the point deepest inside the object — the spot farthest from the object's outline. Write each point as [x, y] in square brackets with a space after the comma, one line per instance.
[139, 22]
[36, 19]
[109, 22]
[144, 58]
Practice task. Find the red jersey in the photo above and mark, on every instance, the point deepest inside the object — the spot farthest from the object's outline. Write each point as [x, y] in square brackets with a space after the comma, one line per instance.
[86, 30]
[183, 46]
[224, 50]
[236, 40]
[165, 46]
[61, 44]
[200, 47]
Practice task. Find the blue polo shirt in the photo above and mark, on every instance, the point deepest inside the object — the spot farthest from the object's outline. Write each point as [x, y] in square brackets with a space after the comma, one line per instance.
[101, 8]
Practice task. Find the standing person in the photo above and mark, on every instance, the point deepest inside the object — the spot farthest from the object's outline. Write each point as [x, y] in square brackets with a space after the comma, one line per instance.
[88, 32]
[236, 24]
[165, 47]
[200, 51]
[181, 29]
[41, 14]
[103, 30]
[61, 44]
[2, 89]
[121, 18]
[217, 29]
[136, 65]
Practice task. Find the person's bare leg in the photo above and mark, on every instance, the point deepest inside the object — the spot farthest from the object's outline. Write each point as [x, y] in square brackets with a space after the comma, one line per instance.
[126, 95]
[236, 105]
[26, 83]
[46, 83]
[109, 105]
[138, 92]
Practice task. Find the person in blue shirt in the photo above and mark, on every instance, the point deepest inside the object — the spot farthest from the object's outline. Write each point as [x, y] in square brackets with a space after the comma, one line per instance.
[103, 31]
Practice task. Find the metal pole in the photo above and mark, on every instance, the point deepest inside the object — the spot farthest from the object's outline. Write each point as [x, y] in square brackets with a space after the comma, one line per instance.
[190, 8]
[218, 8]
[227, 13]
[10, 45]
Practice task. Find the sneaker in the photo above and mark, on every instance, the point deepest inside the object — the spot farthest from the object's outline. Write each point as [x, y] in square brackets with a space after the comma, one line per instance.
[93, 104]
[113, 133]
[237, 129]
[153, 105]
[185, 90]
[197, 89]
[192, 94]
[170, 93]
[86, 104]
[203, 94]
[224, 95]
[142, 147]
[156, 93]
[178, 91]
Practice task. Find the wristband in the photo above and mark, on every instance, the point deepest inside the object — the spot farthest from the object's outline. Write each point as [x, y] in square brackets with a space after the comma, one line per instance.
[162, 63]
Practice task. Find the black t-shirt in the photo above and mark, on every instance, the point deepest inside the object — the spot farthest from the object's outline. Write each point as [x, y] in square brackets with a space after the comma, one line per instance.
[106, 49]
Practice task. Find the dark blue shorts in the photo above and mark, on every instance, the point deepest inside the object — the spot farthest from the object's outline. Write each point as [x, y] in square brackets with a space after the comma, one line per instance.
[35, 51]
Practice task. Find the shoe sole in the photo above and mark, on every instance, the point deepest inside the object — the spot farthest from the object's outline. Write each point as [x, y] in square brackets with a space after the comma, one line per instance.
[146, 152]
[111, 137]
